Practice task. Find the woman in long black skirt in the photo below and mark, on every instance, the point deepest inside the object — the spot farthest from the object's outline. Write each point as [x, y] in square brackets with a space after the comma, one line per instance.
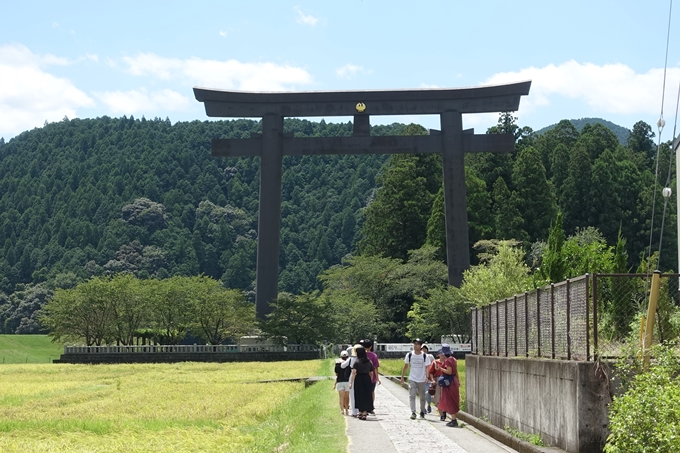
[361, 382]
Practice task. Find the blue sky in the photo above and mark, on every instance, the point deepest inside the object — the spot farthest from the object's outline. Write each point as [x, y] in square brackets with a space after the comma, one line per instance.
[87, 59]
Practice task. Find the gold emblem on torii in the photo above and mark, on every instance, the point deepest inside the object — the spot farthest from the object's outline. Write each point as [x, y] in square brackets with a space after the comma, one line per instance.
[360, 107]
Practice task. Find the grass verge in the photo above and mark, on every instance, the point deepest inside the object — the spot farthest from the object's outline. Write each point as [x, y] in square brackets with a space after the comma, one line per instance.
[310, 421]
[28, 349]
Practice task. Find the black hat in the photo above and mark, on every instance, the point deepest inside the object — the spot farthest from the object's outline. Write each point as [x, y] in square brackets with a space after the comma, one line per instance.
[418, 340]
[368, 343]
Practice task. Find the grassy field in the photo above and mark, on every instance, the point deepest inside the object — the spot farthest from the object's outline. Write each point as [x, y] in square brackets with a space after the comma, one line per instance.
[28, 349]
[393, 367]
[187, 407]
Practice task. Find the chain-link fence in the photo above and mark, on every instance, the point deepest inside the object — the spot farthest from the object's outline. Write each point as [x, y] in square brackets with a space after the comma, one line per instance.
[577, 319]
[620, 302]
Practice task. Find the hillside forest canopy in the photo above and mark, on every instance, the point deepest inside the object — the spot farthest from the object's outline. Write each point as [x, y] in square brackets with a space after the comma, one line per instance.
[87, 199]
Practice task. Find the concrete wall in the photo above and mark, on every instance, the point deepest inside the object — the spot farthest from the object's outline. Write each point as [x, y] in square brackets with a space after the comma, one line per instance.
[160, 357]
[565, 402]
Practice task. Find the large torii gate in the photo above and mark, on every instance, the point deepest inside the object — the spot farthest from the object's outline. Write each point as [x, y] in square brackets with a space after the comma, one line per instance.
[452, 142]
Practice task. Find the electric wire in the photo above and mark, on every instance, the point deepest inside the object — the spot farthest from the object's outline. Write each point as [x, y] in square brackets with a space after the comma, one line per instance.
[677, 104]
[660, 125]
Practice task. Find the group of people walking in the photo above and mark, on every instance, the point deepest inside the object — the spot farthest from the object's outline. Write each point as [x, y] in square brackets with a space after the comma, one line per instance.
[356, 377]
[433, 380]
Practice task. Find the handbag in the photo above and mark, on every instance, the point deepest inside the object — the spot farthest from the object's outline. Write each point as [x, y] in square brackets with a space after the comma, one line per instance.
[445, 380]
[432, 388]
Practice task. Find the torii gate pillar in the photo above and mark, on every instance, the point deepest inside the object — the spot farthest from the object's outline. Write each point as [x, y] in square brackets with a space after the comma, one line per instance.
[452, 143]
[455, 196]
[269, 217]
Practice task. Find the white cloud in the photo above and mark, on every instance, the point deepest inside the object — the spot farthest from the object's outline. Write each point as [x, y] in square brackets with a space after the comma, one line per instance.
[223, 34]
[230, 74]
[29, 95]
[305, 19]
[141, 101]
[348, 70]
[605, 89]
[480, 122]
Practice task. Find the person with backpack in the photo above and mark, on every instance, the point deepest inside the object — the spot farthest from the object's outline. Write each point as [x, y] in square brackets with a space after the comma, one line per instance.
[449, 403]
[342, 382]
[418, 362]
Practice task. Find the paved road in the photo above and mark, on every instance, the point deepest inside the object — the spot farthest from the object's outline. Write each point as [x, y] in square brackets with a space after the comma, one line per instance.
[392, 431]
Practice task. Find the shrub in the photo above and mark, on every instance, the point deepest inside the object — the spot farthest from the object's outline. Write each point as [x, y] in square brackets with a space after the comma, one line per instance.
[646, 417]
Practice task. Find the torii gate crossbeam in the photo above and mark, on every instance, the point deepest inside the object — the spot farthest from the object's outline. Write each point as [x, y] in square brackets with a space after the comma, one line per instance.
[452, 142]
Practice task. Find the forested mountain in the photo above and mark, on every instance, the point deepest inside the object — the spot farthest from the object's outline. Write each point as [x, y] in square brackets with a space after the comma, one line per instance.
[87, 197]
[621, 132]
[90, 197]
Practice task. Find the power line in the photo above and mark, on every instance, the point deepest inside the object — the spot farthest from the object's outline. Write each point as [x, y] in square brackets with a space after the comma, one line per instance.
[660, 125]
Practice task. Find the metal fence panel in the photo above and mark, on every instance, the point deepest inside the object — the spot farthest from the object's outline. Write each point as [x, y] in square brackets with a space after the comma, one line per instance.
[578, 319]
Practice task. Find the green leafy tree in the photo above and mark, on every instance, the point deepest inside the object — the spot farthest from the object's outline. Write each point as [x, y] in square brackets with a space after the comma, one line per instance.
[641, 141]
[20, 311]
[507, 124]
[553, 268]
[128, 301]
[559, 167]
[443, 312]
[586, 251]
[575, 197]
[479, 215]
[606, 205]
[564, 135]
[535, 194]
[386, 287]
[374, 280]
[596, 138]
[220, 313]
[81, 314]
[501, 273]
[352, 318]
[508, 221]
[396, 220]
[436, 226]
[171, 309]
[301, 319]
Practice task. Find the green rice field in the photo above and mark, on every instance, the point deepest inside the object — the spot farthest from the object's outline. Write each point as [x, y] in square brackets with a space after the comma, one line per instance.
[185, 407]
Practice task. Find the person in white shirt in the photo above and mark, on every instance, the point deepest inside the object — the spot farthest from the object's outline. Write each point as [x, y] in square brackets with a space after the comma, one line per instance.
[417, 376]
